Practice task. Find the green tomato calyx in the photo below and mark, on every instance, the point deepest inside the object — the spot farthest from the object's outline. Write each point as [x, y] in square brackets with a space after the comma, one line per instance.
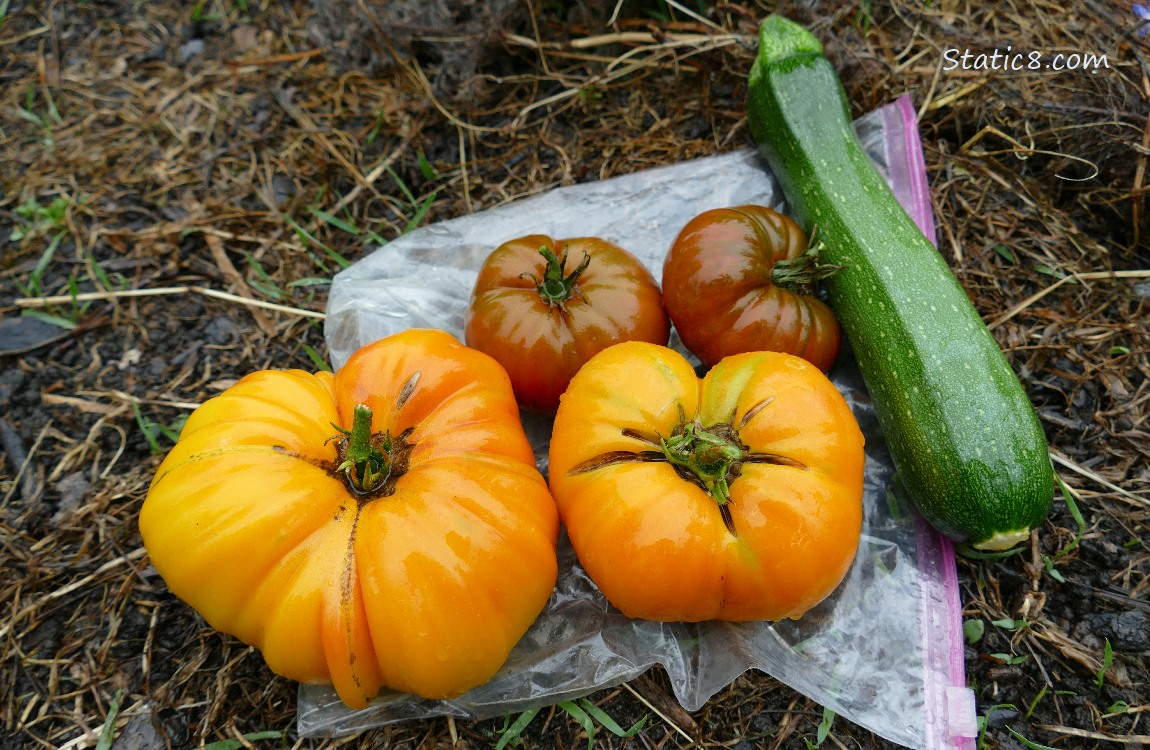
[556, 287]
[370, 463]
[363, 463]
[803, 270]
[709, 456]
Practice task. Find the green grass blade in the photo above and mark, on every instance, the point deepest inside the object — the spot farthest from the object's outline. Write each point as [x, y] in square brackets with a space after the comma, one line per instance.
[402, 186]
[31, 117]
[264, 283]
[1107, 662]
[581, 716]
[316, 359]
[1029, 743]
[608, 723]
[56, 320]
[825, 726]
[1075, 513]
[145, 426]
[1053, 572]
[1034, 703]
[305, 235]
[340, 261]
[425, 167]
[420, 213]
[513, 732]
[45, 261]
[335, 221]
[108, 733]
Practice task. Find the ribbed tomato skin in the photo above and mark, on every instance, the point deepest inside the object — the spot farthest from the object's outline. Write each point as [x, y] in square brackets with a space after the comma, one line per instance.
[542, 346]
[424, 589]
[719, 291]
[655, 543]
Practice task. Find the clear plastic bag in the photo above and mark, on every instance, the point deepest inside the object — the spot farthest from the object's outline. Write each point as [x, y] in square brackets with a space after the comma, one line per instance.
[884, 651]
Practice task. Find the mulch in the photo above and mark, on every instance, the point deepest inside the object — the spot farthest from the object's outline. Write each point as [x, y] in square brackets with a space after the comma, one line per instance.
[179, 182]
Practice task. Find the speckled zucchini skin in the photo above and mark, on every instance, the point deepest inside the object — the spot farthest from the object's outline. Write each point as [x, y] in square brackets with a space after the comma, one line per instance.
[963, 434]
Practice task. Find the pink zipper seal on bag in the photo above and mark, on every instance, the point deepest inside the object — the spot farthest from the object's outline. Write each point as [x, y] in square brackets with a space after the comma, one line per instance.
[951, 719]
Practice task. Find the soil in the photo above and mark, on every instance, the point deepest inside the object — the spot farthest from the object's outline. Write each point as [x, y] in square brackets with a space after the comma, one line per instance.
[222, 146]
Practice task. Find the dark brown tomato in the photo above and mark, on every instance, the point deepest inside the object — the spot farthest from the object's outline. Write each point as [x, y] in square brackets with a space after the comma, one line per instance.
[732, 283]
[542, 307]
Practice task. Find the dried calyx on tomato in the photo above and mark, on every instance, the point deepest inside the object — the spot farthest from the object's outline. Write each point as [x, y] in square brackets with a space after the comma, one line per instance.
[740, 280]
[382, 526]
[735, 498]
[542, 307]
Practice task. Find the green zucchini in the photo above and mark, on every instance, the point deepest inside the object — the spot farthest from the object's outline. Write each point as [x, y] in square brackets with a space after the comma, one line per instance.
[964, 437]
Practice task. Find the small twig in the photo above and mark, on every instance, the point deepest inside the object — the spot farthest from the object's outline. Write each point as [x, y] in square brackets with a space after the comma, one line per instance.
[627, 37]
[615, 13]
[1024, 152]
[163, 291]
[957, 95]
[26, 35]
[274, 59]
[701, 19]
[659, 713]
[1133, 739]
[127, 398]
[1072, 277]
[1137, 198]
[228, 269]
[463, 170]
[76, 404]
[1061, 459]
[930, 92]
[27, 462]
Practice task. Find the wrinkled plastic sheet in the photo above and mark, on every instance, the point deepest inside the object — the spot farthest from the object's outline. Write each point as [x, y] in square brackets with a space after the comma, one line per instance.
[884, 650]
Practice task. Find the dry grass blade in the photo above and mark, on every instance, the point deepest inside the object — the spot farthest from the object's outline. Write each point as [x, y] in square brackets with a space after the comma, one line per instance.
[678, 730]
[61, 299]
[1125, 494]
[1093, 275]
[1131, 739]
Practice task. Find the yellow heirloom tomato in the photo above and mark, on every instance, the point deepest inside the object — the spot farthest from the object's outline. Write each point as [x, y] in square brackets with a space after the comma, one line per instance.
[738, 497]
[382, 526]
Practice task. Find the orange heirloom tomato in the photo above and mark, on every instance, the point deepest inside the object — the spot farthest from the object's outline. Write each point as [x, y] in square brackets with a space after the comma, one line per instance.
[729, 285]
[382, 526]
[738, 497]
[543, 307]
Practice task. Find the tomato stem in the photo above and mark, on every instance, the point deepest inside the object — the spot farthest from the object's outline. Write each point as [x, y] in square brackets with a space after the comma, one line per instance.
[709, 455]
[364, 464]
[556, 288]
[803, 270]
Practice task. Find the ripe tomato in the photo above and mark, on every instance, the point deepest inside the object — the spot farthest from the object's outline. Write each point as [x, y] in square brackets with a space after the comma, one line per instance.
[728, 285]
[543, 307]
[737, 498]
[385, 525]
